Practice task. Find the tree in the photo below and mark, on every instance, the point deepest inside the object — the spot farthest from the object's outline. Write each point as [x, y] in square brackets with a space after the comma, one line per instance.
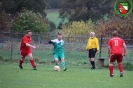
[52, 25]
[13, 6]
[76, 10]
[52, 4]
[28, 20]
[120, 24]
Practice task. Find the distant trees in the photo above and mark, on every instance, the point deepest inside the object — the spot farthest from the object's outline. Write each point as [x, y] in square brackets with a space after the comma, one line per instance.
[53, 4]
[76, 10]
[13, 6]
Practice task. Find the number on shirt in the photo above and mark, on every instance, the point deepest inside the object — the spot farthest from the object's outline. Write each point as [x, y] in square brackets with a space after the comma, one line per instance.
[116, 42]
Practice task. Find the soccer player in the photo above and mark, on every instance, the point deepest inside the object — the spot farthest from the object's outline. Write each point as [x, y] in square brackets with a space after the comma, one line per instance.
[116, 50]
[58, 51]
[93, 48]
[25, 49]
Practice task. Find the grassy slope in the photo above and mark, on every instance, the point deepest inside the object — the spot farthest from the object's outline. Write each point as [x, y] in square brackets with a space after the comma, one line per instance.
[53, 15]
[75, 77]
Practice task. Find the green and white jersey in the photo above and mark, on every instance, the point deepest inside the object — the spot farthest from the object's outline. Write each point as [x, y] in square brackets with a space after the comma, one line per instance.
[58, 46]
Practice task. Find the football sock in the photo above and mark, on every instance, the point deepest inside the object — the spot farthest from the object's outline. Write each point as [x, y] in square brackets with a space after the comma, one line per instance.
[20, 62]
[32, 63]
[93, 64]
[63, 65]
[111, 68]
[120, 68]
[57, 64]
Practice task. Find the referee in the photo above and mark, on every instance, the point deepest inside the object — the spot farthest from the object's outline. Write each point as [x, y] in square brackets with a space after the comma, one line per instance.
[92, 48]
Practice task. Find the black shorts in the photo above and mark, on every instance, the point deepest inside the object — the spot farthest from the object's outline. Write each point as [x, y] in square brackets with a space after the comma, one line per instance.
[92, 53]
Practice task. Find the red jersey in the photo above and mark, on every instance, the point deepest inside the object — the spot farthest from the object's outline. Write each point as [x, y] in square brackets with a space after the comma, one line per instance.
[116, 45]
[25, 39]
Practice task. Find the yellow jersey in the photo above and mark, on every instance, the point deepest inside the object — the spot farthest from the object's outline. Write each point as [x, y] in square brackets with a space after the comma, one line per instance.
[92, 43]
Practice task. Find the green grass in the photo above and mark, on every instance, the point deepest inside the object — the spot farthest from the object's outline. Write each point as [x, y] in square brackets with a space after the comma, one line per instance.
[53, 15]
[78, 74]
[75, 77]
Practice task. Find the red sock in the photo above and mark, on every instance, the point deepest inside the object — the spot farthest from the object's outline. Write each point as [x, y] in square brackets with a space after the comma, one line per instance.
[32, 63]
[111, 68]
[20, 62]
[120, 68]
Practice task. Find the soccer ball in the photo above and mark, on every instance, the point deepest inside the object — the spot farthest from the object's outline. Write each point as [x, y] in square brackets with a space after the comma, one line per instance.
[57, 68]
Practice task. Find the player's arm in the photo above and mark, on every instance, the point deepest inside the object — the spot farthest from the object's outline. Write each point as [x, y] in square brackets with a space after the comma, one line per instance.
[97, 45]
[109, 51]
[87, 46]
[51, 41]
[27, 44]
[124, 49]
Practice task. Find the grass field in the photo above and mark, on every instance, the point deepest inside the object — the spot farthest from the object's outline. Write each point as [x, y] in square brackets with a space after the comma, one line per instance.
[78, 74]
[75, 77]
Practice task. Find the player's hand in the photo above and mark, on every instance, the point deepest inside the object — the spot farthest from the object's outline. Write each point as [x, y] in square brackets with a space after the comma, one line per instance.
[97, 52]
[124, 54]
[34, 47]
[50, 42]
[109, 55]
[86, 51]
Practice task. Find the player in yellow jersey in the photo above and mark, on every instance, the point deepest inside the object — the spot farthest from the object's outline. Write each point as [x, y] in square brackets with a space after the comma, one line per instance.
[92, 48]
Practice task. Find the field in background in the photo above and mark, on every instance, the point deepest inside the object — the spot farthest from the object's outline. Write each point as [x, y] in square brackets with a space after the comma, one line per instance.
[53, 15]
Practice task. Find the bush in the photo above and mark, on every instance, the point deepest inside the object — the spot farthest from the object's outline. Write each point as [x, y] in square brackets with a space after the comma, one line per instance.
[78, 28]
[28, 20]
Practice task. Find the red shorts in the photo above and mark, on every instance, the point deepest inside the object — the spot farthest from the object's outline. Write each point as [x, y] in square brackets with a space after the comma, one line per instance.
[116, 56]
[24, 52]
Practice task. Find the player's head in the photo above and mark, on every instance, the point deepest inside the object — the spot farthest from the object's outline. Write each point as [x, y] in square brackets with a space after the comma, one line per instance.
[115, 33]
[29, 32]
[92, 34]
[59, 36]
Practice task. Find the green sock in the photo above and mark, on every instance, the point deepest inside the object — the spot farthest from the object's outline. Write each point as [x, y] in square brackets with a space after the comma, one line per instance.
[57, 64]
[63, 65]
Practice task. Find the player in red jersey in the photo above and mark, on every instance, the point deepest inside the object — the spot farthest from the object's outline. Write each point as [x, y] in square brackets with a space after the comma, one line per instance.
[116, 51]
[25, 49]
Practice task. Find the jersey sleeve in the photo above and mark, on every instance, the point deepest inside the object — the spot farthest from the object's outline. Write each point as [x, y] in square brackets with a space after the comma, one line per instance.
[87, 46]
[54, 41]
[108, 44]
[97, 44]
[25, 40]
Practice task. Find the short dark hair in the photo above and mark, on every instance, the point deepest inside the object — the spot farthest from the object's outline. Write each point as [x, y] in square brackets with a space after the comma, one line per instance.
[59, 33]
[115, 33]
[28, 31]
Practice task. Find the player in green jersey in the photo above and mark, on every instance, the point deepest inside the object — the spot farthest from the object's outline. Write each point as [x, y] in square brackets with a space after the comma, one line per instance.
[58, 51]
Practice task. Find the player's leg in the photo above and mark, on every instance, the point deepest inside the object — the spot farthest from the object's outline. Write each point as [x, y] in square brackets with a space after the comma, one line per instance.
[22, 59]
[92, 63]
[21, 62]
[90, 51]
[111, 65]
[62, 56]
[32, 61]
[56, 59]
[92, 56]
[120, 65]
